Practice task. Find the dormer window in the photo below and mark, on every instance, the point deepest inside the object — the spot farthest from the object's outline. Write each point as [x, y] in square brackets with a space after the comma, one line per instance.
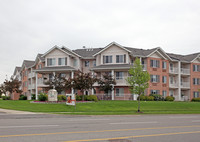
[51, 61]
[120, 58]
[62, 61]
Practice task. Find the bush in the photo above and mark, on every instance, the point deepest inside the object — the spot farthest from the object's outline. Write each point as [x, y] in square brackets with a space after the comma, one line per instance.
[78, 98]
[33, 96]
[92, 98]
[195, 100]
[22, 97]
[61, 98]
[43, 97]
[169, 98]
[146, 98]
[157, 97]
[6, 97]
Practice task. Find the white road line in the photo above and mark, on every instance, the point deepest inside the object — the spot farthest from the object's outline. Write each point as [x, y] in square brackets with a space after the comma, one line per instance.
[178, 117]
[133, 123]
[29, 126]
[87, 119]
[195, 120]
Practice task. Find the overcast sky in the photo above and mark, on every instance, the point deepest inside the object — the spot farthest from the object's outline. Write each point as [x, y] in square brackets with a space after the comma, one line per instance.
[29, 27]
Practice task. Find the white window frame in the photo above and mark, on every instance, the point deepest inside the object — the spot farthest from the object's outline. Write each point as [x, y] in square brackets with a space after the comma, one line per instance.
[119, 92]
[51, 62]
[119, 75]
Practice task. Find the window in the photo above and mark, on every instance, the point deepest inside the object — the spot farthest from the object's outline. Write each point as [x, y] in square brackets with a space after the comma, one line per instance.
[171, 66]
[155, 63]
[196, 68]
[94, 63]
[39, 66]
[171, 93]
[75, 62]
[119, 75]
[164, 93]
[196, 81]
[155, 78]
[164, 79]
[62, 61]
[62, 75]
[155, 91]
[51, 61]
[107, 59]
[50, 77]
[164, 65]
[120, 58]
[119, 91]
[196, 94]
[87, 63]
[171, 79]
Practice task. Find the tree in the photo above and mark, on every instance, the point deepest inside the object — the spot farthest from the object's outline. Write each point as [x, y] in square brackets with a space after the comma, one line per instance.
[2, 90]
[83, 81]
[12, 86]
[56, 82]
[106, 83]
[138, 80]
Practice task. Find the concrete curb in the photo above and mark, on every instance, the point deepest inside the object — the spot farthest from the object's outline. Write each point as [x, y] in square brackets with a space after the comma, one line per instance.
[8, 111]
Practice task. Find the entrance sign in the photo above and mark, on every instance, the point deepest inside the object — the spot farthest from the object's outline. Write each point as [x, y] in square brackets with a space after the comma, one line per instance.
[52, 95]
[71, 100]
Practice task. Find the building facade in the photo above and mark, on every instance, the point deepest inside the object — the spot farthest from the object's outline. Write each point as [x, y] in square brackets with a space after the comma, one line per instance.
[170, 74]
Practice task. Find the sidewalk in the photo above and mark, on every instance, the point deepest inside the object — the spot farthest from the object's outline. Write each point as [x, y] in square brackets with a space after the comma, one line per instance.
[8, 111]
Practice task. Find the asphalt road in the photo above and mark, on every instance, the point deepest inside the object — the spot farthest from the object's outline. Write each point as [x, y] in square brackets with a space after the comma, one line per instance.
[135, 128]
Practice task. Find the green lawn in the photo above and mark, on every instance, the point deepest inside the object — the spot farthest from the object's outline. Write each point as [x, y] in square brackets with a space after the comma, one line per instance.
[106, 107]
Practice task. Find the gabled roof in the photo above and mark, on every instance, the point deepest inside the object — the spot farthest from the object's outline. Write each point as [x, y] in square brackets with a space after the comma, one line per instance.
[184, 58]
[87, 52]
[109, 45]
[27, 63]
[67, 50]
[17, 69]
[42, 59]
[161, 52]
[140, 52]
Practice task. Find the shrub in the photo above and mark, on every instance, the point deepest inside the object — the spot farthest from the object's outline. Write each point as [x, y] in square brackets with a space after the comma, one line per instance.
[6, 97]
[33, 96]
[43, 97]
[149, 98]
[157, 97]
[78, 98]
[23, 97]
[169, 98]
[146, 98]
[195, 100]
[61, 98]
[92, 98]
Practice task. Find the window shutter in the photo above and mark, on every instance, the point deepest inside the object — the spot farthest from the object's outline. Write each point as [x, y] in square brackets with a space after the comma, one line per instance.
[158, 64]
[124, 58]
[103, 59]
[151, 63]
[65, 60]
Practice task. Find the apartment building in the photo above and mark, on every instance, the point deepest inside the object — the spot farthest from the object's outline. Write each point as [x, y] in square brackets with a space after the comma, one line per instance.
[171, 74]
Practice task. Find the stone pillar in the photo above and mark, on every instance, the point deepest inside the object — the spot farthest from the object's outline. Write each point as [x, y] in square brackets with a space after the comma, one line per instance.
[112, 93]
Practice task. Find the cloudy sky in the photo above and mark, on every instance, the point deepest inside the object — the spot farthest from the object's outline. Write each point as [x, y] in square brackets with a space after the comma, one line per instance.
[28, 27]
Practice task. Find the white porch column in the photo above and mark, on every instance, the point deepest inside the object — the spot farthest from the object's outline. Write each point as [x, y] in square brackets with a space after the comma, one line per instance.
[112, 93]
[179, 81]
[36, 86]
[92, 77]
[72, 76]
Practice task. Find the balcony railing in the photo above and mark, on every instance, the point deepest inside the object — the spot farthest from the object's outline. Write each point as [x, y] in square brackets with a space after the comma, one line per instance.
[173, 85]
[173, 70]
[121, 80]
[144, 67]
[31, 86]
[31, 75]
[185, 71]
[185, 84]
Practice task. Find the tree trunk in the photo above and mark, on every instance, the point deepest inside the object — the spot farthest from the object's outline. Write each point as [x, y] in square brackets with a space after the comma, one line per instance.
[138, 104]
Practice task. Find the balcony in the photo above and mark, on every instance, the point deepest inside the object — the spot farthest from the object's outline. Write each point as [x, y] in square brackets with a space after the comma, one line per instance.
[40, 83]
[185, 84]
[121, 80]
[31, 75]
[173, 85]
[144, 66]
[173, 70]
[185, 71]
[31, 86]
